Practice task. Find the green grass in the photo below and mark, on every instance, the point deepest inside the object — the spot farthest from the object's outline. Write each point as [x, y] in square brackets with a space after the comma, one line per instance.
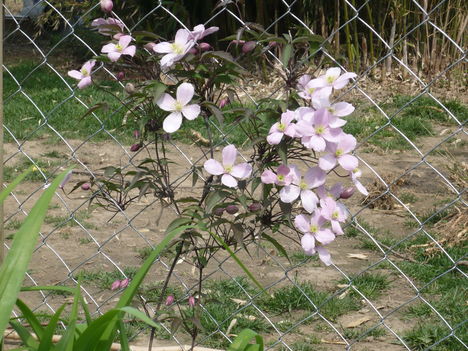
[13, 224]
[408, 198]
[293, 298]
[371, 285]
[11, 172]
[355, 333]
[70, 221]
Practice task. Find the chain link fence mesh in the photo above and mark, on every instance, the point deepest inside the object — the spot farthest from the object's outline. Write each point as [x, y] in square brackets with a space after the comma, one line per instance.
[405, 242]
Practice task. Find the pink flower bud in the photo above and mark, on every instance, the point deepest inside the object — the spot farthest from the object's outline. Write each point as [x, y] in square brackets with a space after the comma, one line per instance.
[115, 285]
[223, 102]
[191, 301]
[204, 46]
[218, 211]
[107, 5]
[136, 134]
[136, 147]
[272, 44]
[129, 88]
[124, 283]
[255, 207]
[66, 179]
[120, 76]
[347, 193]
[193, 51]
[238, 42]
[248, 46]
[85, 186]
[149, 46]
[232, 209]
[169, 300]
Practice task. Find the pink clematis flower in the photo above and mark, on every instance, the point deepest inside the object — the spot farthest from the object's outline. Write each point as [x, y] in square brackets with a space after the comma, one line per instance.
[315, 236]
[339, 152]
[178, 107]
[83, 75]
[114, 51]
[282, 177]
[199, 32]
[332, 79]
[334, 192]
[302, 186]
[339, 109]
[227, 169]
[109, 26]
[176, 50]
[315, 136]
[279, 129]
[334, 212]
[355, 174]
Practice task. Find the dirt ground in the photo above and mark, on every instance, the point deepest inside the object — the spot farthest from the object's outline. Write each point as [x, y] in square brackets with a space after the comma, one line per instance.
[100, 242]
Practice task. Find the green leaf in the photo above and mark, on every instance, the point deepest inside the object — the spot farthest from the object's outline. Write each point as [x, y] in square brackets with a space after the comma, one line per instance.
[213, 199]
[16, 263]
[67, 341]
[242, 341]
[141, 316]
[31, 318]
[124, 346]
[5, 192]
[286, 55]
[277, 245]
[24, 334]
[47, 338]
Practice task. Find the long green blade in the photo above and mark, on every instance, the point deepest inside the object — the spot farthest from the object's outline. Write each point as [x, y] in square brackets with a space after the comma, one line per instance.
[16, 263]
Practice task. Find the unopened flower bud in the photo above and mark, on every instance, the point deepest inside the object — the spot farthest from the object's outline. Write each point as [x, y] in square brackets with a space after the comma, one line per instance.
[347, 193]
[136, 147]
[204, 46]
[238, 42]
[136, 134]
[115, 285]
[223, 102]
[272, 44]
[149, 46]
[124, 283]
[107, 5]
[85, 186]
[129, 88]
[169, 300]
[218, 211]
[120, 76]
[66, 179]
[248, 46]
[193, 51]
[256, 206]
[232, 209]
[191, 301]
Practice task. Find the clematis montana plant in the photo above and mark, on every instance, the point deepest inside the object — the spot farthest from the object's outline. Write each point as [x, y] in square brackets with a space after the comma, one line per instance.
[298, 164]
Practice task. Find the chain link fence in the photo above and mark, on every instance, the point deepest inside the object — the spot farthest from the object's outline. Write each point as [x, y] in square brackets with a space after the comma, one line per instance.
[398, 281]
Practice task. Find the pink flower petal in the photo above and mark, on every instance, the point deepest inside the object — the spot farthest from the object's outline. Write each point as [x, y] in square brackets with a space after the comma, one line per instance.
[361, 188]
[75, 74]
[115, 285]
[84, 82]
[131, 50]
[342, 109]
[114, 56]
[241, 171]
[191, 111]
[309, 200]
[163, 48]
[229, 180]
[347, 143]
[302, 222]
[324, 255]
[182, 36]
[172, 122]
[308, 242]
[289, 193]
[268, 177]
[88, 66]
[213, 167]
[124, 40]
[124, 283]
[336, 227]
[108, 48]
[348, 162]
[274, 138]
[229, 155]
[166, 103]
[325, 236]
[343, 80]
[327, 162]
[283, 170]
[315, 177]
[185, 93]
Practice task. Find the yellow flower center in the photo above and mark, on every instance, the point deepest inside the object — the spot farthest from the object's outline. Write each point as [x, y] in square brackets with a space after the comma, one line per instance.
[339, 153]
[303, 185]
[313, 228]
[177, 49]
[119, 48]
[335, 215]
[178, 106]
[281, 127]
[319, 129]
[311, 90]
[330, 79]
[84, 72]
[331, 110]
[280, 177]
[228, 169]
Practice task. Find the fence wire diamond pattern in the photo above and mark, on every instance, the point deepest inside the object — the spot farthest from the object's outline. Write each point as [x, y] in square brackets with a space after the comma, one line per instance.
[404, 243]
